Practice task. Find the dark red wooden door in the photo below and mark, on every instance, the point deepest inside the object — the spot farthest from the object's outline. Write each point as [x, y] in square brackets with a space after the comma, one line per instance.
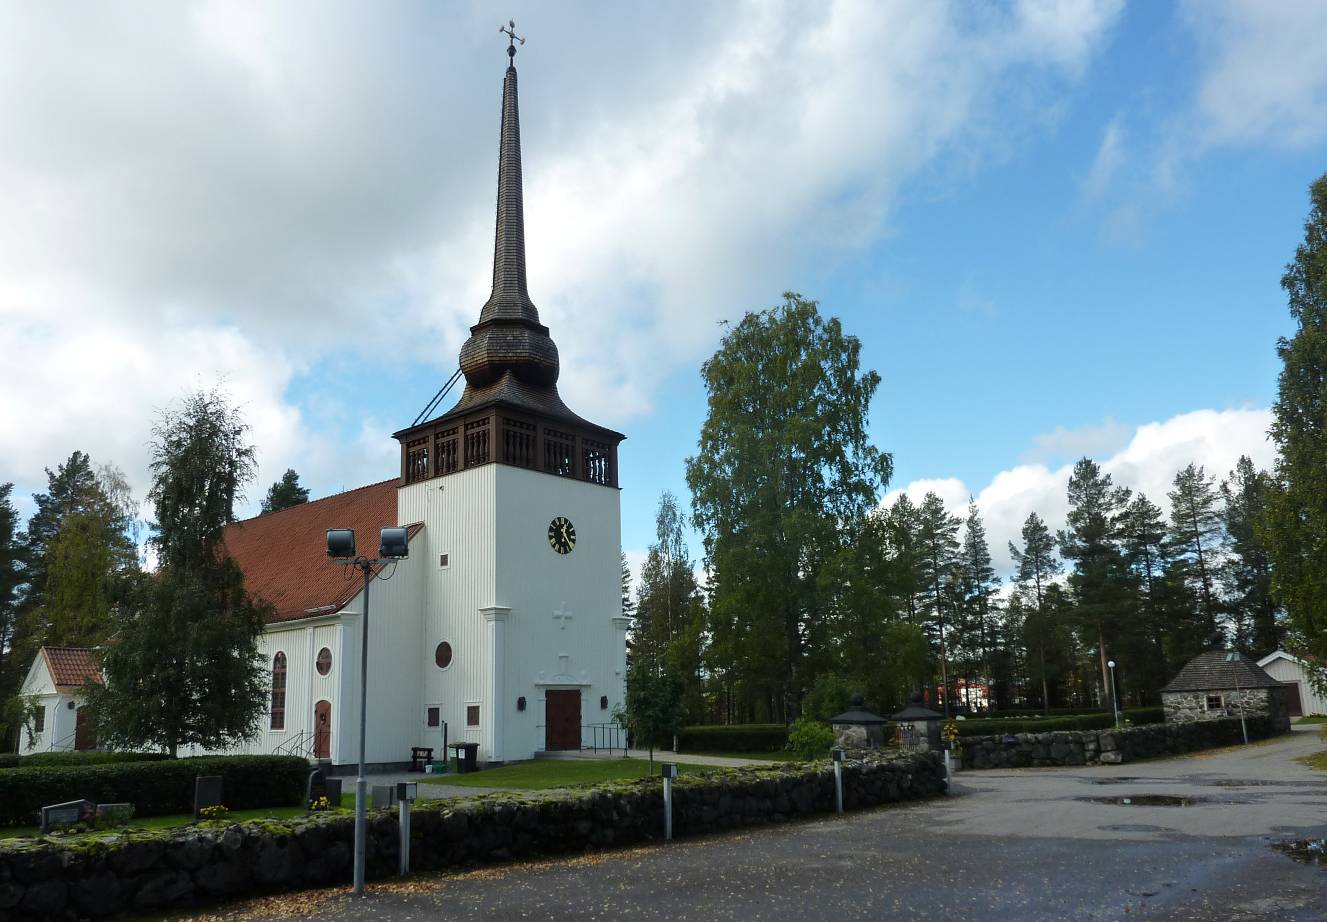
[322, 730]
[85, 732]
[1290, 694]
[562, 719]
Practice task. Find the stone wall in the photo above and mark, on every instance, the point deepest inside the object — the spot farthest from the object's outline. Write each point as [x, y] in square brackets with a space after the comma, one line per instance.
[53, 879]
[1251, 702]
[1095, 747]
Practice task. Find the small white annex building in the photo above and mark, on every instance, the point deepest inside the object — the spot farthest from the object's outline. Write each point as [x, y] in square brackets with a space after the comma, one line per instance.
[56, 679]
[504, 624]
[1293, 672]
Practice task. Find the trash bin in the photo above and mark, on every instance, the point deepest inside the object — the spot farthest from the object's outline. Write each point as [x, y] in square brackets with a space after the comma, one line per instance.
[467, 757]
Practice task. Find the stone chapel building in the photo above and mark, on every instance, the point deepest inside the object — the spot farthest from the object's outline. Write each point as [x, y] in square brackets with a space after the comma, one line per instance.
[504, 624]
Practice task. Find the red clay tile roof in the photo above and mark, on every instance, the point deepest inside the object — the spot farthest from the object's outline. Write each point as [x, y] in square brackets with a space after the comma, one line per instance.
[72, 667]
[284, 554]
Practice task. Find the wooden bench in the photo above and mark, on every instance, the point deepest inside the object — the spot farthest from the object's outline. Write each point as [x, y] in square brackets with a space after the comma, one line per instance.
[420, 756]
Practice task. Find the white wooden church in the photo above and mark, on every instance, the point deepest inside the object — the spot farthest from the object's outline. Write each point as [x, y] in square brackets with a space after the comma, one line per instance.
[503, 627]
[504, 624]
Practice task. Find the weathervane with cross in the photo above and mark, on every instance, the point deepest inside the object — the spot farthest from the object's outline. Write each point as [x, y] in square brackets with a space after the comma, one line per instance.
[509, 30]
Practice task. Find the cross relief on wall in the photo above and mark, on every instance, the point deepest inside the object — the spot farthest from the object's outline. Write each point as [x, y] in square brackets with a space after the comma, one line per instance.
[563, 614]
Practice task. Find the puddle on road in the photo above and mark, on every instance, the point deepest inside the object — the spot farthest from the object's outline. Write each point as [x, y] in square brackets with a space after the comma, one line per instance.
[1123, 779]
[1158, 800]
[1305, 851]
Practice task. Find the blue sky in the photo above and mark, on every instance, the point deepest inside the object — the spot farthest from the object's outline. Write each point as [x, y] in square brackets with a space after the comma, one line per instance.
[1057, 228]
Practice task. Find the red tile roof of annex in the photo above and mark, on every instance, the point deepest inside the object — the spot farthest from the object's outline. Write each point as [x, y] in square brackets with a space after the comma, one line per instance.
[71, 667]
[284, 554]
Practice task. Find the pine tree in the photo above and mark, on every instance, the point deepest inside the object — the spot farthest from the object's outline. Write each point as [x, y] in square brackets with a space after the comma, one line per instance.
[1091, 542]
[183, 666]
[1197, 535]
[1248, 571]
[1296, 523]
[1143, 538]
[285, 493]
[938, 551]
[1037, 568]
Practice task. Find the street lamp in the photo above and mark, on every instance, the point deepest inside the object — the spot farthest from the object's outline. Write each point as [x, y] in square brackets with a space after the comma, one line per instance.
[1114, 696]
[393, 545]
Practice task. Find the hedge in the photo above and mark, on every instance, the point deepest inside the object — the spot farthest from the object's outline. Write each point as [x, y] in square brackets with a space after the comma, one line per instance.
[72, 759]
[156, 788]
[995, 727]
[733, 738]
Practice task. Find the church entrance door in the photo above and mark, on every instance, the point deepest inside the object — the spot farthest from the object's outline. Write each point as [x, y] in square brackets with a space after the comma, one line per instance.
[562, 719]
[85, 731]
[322, 730]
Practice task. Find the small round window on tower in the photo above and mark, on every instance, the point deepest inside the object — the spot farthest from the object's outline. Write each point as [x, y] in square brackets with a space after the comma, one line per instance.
[324, 661]
[443, 655]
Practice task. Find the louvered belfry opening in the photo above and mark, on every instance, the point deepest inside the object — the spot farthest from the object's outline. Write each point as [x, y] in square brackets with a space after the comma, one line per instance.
[510, 411]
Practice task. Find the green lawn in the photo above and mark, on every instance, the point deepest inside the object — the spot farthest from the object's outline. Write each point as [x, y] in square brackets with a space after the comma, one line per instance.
[1318, 760]
[1312, 719]
[542, 774]
[185, 819]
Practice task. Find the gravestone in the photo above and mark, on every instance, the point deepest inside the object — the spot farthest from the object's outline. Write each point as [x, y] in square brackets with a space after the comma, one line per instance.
[207, 793]
[315, 787]
[384, 795]
[114, 814]
[334, 791]
[65, 814]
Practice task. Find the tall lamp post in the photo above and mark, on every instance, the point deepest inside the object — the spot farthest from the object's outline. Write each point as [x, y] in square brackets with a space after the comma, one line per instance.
[1114, 695]
[1233, 657]
[393, 545]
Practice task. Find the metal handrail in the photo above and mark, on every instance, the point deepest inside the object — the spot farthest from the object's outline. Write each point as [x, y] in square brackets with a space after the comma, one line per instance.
[301, 744]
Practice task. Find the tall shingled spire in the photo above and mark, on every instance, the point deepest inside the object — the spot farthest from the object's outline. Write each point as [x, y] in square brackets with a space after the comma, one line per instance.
[509, 339]
[510, 411]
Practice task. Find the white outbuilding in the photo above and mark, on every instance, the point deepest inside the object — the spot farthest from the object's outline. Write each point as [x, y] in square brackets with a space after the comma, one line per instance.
[55, 681]
[1293, 672]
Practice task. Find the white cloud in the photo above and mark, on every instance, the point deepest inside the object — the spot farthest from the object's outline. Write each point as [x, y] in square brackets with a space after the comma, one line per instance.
[245, 189]
[1094, 441]
[1111, 155]
[1148, 463]
[1264, 77]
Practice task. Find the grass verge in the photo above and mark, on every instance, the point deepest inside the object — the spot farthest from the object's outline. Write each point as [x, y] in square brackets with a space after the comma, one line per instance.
[186, 819]
[544, 774]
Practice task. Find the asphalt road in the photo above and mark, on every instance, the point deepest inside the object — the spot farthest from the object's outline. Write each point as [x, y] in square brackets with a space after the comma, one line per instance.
[1010, 845]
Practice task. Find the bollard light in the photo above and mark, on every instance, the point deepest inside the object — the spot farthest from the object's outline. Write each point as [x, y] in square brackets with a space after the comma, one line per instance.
[837, 755]
[669, 772]
[406, 791]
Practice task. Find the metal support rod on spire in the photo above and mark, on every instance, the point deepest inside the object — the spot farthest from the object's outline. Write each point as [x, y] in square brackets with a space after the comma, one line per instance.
[509, 30]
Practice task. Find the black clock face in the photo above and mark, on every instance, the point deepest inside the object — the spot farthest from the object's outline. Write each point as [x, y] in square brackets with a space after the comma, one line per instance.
[561, 535]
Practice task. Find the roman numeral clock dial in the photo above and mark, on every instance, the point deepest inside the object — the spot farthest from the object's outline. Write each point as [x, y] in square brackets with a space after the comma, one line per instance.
[561, 535]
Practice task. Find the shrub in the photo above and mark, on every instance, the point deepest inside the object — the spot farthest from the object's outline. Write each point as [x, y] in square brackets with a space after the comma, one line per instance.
[75, 759]
[733, 738]
[809, 738]
[996, 727]
[1149, 715]
[155, 788]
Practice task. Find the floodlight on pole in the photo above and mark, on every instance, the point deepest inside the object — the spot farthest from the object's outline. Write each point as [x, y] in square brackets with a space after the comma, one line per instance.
[393, 545]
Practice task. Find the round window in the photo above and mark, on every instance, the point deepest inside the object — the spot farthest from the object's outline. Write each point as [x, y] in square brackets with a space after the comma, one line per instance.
[443, 655]
[324, 661]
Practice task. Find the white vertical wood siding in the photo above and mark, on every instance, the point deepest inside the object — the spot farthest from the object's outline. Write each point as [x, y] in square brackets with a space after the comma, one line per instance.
[1284, 670]
[458, 512]
[534, 581]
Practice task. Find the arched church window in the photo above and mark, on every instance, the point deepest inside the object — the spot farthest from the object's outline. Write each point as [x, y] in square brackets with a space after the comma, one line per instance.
[324, 661]
[279, 691]
[443, 655]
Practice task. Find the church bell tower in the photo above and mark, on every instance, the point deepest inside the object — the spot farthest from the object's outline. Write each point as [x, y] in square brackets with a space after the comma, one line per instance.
[523, 641]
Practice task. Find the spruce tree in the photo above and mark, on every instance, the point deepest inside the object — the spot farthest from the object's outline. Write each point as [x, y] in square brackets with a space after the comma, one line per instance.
[1144, 539]
[980, 589]
[1296, 522]
[11, 579]
[182, 667]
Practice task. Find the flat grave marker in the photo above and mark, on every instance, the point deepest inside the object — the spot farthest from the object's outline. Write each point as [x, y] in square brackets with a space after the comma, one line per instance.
[66, 814]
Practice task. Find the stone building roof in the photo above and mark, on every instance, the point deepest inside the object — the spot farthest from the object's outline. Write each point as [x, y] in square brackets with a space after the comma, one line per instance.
[71, 667]
[1211, 671]
[284, 554]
